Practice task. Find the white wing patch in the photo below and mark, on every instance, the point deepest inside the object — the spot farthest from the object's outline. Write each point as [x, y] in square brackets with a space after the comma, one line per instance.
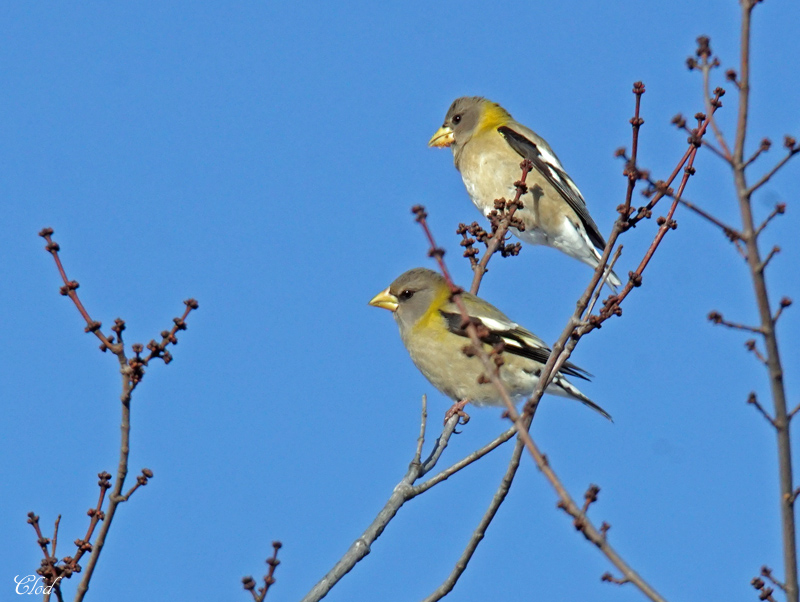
[526, 339]
[549, 158]
[497, 325]
[557, 171]
[532, 340]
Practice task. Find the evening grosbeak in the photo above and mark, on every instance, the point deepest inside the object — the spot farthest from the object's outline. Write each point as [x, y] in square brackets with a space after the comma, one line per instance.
[431, 329]
[488, 147]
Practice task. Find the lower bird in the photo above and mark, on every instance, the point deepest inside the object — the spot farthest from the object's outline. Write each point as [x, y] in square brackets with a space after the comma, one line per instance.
[431, 329]
[488, 146]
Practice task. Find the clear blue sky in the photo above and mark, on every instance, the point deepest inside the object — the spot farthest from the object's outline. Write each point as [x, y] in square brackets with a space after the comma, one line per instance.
[262, 157]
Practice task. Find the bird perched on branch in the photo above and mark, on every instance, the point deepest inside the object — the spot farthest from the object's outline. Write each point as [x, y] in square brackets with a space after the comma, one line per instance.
[488, 147]
[433, 331]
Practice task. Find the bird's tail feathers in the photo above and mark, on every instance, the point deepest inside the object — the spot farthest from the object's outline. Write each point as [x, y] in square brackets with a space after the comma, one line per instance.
[571, 391]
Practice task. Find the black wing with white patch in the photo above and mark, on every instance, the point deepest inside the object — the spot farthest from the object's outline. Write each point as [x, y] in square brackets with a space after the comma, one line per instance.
[527, 149]
[516, 341]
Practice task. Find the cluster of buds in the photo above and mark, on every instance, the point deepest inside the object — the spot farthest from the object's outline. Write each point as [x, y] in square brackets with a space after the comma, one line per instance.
[467, 232]
[249, 583]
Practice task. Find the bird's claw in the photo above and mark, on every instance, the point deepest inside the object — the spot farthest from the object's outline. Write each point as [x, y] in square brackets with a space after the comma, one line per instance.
[457, 409]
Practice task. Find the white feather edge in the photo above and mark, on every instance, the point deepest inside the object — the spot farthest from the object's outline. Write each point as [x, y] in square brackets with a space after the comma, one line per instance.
[500, 326]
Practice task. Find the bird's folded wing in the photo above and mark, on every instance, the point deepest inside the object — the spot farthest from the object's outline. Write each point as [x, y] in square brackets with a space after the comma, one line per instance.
[546, 163]
[516, 339]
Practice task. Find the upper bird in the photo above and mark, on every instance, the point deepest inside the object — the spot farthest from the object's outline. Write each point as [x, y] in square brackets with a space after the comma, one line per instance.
[488, 147]
[431, 329]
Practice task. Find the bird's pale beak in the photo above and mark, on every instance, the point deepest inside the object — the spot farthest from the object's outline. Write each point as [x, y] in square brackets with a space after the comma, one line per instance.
[385, 299]
[443, 137]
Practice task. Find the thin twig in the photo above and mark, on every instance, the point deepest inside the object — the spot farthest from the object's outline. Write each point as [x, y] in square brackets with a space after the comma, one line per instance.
[766, 177]
[710, 146]
[752, 346]
[113, 502]
[763, 147]
[740, 248]
[522, 422]
[767, 573]
[422, 427]
[577, 328]
[716, 318]
[68, 290]
[731, 233]
[599, 289]
[141, 481]
[761, 266]
[500, 227]
[773, 360]
[680, 123]
[132, 371]
[402, 492]
[753, 400]
[784, 303]
[765, 593]
[480, 531]
[631, 170]
[249, 583]
[612, 306]
[780, 209]
[662, 189]
[705, 65]
[466, 461]
[609, 578]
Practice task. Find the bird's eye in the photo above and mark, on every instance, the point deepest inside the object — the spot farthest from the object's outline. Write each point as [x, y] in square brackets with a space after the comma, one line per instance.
[406, 295]
[456, 119]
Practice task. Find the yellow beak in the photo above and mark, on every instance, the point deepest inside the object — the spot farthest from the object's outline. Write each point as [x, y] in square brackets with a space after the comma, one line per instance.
[385, 299]
[443, 137]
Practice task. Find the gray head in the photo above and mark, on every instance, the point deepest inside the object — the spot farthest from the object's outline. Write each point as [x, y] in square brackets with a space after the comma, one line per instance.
[411, 294]
[464, 117]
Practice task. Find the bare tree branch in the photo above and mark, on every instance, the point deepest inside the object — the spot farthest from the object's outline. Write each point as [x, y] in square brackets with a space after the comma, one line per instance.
[249, 583]
[773, 359]
[763, 264]
[502, 219]
[480, 531]
[707, 62]
[522, 422]
[767, 573]
[579, 326]
[717, 318]
[779, 209]
[464, 462]
[784, 303]
[404, 491]
[753, 400]
[766, 177]
[731, 233]
[765, 145]
[132, 370]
